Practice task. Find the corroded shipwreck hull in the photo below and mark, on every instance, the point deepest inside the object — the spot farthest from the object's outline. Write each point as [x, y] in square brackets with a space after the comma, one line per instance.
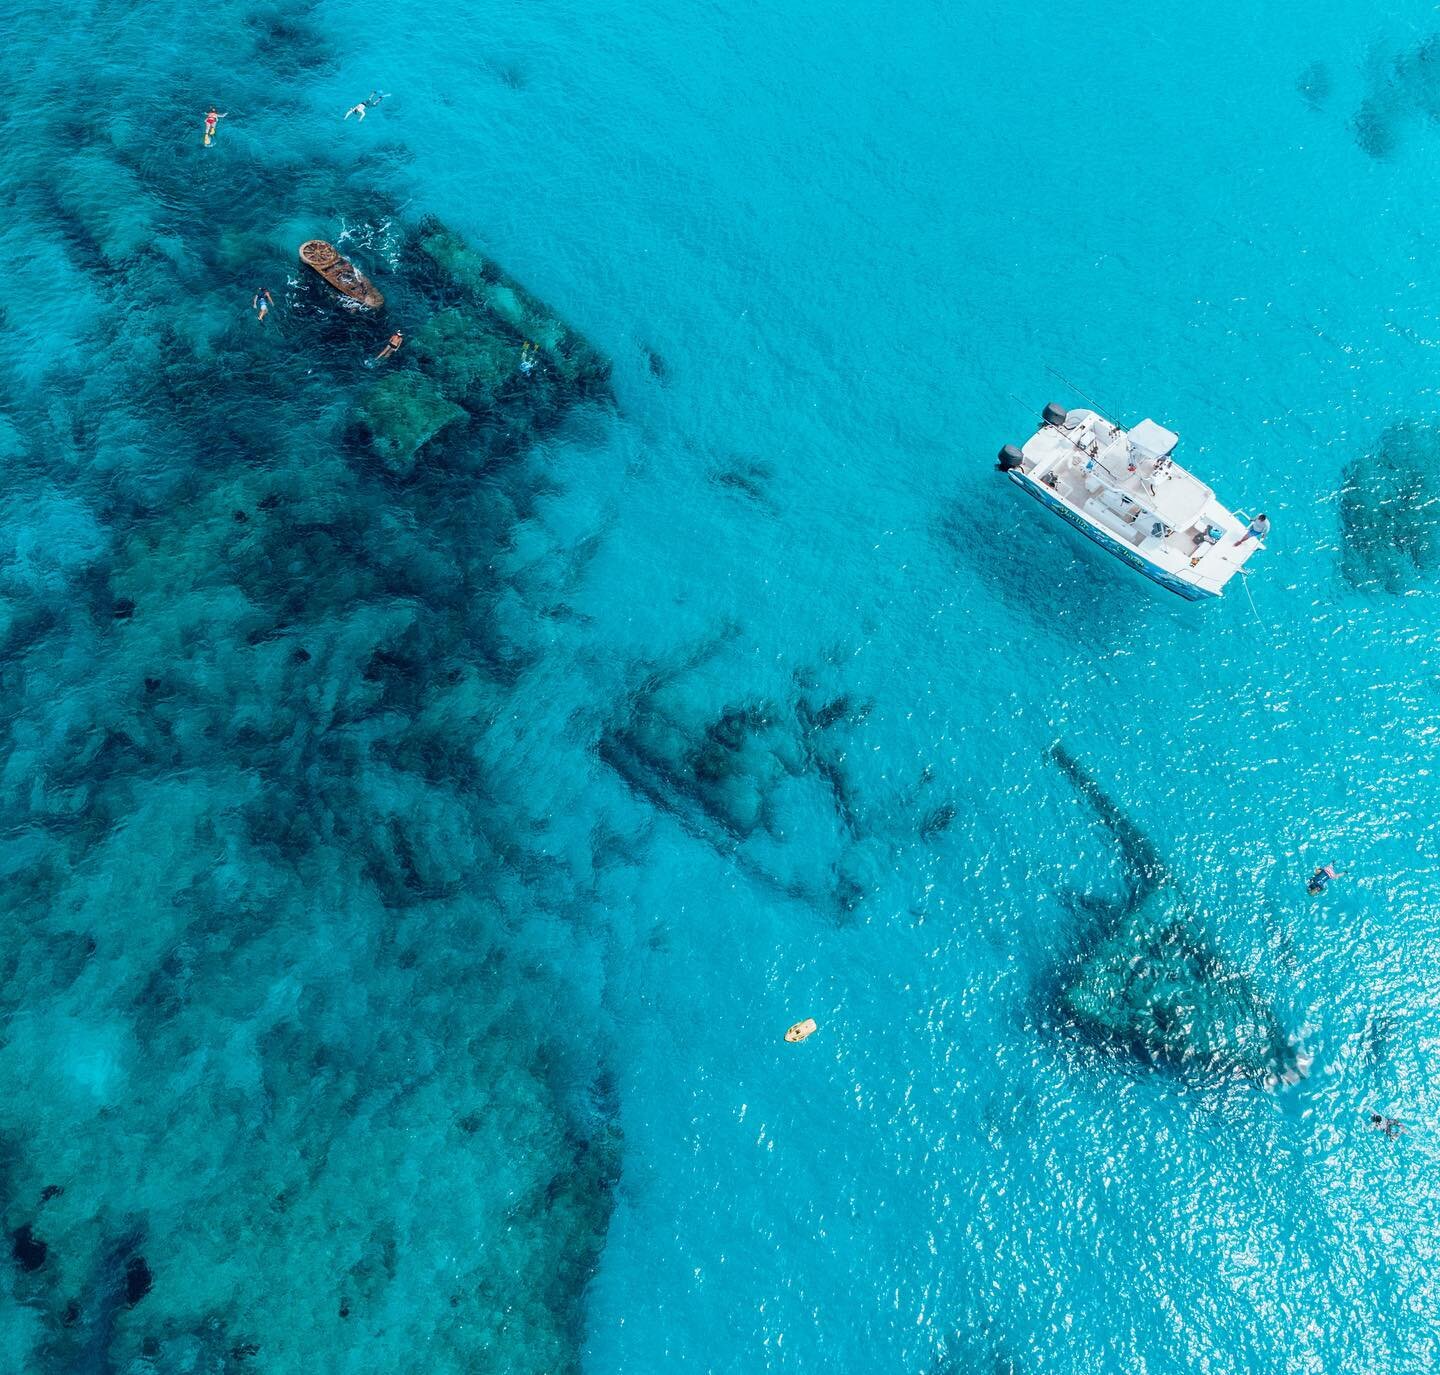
[1152, 985]
[340, 273]
[489, 349]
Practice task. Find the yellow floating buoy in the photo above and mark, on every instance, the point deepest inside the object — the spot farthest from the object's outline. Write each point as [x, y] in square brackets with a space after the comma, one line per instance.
[801, 1030]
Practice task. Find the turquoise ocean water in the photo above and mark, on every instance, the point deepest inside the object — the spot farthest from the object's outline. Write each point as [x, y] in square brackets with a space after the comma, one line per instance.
[410, 873]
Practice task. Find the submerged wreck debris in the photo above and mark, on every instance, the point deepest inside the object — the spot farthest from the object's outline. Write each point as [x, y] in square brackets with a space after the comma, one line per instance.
[510, 307]
[491, 352]
[761, 782]
[404, 412]
[1390, 510]
[1151, 984]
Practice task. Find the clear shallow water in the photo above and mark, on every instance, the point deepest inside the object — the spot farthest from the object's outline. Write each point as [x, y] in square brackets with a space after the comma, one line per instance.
[321, 974]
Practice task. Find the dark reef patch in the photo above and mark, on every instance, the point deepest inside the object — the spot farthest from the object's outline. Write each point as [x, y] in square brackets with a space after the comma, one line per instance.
[749, 477]
[659, 368]
[763, 782]
[29, 1251]
[1390, 511]
[138, 1280]
[1400, 90]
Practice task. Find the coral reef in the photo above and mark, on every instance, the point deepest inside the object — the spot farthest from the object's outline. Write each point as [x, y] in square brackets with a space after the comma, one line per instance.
[1152, 986]
[283, 1081]
[1390, 510]
[1400, 90]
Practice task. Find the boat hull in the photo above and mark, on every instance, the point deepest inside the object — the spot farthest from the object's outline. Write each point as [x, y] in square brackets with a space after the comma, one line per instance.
[1159, 576]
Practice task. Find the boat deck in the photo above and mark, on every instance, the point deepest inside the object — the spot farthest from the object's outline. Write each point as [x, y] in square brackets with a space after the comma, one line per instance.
[1129, 486]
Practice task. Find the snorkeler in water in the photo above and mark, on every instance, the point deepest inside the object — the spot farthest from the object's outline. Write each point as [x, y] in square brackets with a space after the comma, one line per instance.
[369, 103]
[1391, 1126]
[1320, 880]
[528, 355]
[261, 304]
[211, 119]
[393, 346]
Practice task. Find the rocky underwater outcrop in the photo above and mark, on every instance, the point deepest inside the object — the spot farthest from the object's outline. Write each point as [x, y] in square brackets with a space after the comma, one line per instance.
[1390, 511]
[1151, 984]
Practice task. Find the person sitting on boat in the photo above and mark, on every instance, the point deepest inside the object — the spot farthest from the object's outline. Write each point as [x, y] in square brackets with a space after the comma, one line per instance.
[393, 346]
[262, 303]
[1320, 880]
[1256, 530]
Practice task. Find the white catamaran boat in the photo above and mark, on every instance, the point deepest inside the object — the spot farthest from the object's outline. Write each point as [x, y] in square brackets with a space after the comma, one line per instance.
[1124, 491]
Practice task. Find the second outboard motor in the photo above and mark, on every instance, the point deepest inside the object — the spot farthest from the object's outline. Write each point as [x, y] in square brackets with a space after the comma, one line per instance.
[1054, 415]
[1010, 457]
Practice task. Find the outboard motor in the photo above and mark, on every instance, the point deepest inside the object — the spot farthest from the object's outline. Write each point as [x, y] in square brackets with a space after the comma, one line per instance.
[1010, 457]
[1055, 415]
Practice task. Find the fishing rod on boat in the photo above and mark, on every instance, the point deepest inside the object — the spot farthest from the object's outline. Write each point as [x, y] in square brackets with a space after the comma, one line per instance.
[1056, 373]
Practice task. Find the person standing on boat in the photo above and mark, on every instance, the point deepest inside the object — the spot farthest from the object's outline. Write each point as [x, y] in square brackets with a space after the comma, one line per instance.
[1256, 530]
[393, 346]
[262, 303]
[211, 119]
